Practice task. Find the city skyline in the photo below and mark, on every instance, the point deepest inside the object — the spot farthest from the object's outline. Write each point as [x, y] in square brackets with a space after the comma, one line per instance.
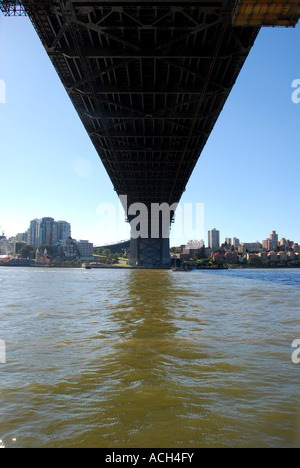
[45, 232]
[213, 236]
[268, 243]
[244, 177]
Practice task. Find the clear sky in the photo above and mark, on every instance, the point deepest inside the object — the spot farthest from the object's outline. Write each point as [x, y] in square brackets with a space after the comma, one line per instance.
[248, 176]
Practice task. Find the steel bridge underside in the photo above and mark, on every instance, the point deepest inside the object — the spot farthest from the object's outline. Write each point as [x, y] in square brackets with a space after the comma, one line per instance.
[148, 80]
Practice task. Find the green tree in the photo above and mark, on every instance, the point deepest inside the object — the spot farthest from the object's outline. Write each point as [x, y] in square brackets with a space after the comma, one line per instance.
[255, 261]
[106, 252]
[204, 262]
[27, 251]
[48, 247]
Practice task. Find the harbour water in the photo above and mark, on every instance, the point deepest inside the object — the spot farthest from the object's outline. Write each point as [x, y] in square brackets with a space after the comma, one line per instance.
[149, 359]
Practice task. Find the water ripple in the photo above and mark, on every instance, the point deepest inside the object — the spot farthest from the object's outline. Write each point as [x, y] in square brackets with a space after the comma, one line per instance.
[106, 358]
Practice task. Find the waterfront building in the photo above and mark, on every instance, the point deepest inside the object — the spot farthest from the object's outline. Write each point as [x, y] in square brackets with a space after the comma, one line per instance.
[291, 255]
[228, 241]
[274, 236]
[218, 256]
[64, 230]
[263, 255]
[251, 247]
[282, 257]
[231, 257]
[235, 242]
[48, 231]
[214, 239]
[296, 248]
[6, 246]
[54, 238]
[22, 237]
[17, 246]
[208, 252]
[273, 241]
[273, 256]
[41, 258]
[195, 244]
[85, 249]
[34, 232]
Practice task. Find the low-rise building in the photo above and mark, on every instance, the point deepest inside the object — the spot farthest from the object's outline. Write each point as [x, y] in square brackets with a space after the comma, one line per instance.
[272, 256]
[85, 249]
[208, 251]
[291, 256]
[251, 247]
[218, 256]
[231, 257]
[263, 255]
[282, 257]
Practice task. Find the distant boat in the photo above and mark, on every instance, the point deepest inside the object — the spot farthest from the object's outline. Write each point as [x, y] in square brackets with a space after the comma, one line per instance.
[87, 266]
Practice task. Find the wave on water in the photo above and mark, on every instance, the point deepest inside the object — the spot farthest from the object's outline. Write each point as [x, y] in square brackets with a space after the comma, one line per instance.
[290, 277]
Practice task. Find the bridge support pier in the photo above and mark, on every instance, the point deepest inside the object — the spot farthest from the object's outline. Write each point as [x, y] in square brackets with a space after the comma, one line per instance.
[150, 253]
[150, 243]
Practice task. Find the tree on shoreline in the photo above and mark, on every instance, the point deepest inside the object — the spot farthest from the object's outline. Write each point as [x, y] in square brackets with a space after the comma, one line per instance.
[255, 260]
[48, 247]
[27, 251]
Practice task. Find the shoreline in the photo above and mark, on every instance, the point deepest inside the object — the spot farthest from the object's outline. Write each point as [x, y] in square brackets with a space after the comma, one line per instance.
[128, 267]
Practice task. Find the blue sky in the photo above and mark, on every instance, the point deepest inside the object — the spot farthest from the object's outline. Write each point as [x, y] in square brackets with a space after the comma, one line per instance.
[247, 177]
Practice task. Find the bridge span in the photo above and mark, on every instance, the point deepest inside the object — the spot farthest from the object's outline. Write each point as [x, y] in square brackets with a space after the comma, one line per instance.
[148, 80]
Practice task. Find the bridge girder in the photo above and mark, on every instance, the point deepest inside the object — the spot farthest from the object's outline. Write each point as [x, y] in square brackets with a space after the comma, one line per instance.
[156, 75]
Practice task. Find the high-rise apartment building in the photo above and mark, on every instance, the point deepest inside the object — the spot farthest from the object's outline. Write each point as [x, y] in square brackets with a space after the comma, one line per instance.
[235, 242]
[48, 231]
[34, 232]
[214, 239]
[273, 241]
[228, 241]
[274, 236]
[64, 230]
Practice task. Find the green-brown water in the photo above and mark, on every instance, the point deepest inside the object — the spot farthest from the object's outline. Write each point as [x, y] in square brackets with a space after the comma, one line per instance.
[109, 358]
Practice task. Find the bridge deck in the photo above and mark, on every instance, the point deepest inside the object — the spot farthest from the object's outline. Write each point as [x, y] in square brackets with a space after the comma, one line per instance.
[148, 82]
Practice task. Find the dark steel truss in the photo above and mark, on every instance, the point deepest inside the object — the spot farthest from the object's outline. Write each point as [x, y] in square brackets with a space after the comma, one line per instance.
[148, 80]
[12, 8]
